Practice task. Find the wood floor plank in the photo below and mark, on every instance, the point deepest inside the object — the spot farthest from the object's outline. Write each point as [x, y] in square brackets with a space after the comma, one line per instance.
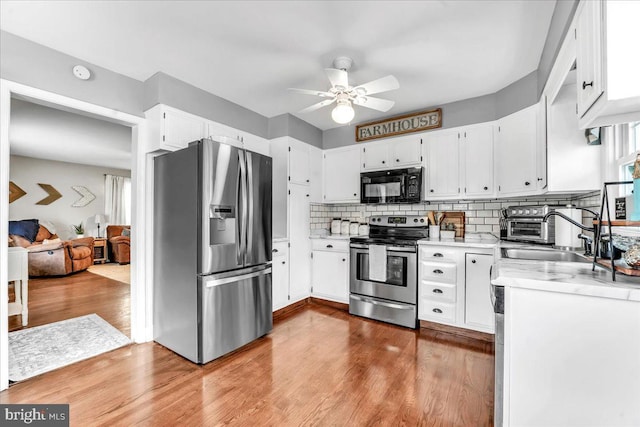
[319, 366]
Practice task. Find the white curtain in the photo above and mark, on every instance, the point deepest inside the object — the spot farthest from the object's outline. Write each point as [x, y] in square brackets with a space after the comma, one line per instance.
[117, 199]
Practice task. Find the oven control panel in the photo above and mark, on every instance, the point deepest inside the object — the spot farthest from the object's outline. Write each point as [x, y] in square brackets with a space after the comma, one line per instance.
[534, 211]
[399, 221]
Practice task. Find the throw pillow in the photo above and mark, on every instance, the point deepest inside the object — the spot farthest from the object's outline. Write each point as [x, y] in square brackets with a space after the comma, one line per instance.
[56, 240]
[27, 228]
[126, 232]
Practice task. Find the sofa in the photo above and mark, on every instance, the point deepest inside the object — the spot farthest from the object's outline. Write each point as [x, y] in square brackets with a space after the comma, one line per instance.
[50, 256]
[119, 243]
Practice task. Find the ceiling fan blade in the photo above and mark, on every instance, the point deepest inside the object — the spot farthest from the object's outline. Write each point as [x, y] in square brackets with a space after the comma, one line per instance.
[337, 77]
[317, 106]
[374, 103]
[376, 86]
[310, 92]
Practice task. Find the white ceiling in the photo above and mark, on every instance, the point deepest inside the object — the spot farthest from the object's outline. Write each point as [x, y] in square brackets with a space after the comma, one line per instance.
[47, 133]
[250, 52]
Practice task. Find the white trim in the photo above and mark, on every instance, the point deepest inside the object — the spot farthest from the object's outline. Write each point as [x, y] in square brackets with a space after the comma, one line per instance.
[141, 286]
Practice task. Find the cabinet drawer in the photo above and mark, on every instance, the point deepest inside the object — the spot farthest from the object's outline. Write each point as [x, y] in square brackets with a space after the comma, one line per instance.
[444, 272]
[330, 245]
[430, 309]
[435, 253]
[438, 291]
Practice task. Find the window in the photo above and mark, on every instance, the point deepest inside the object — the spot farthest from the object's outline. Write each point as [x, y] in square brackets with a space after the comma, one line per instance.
[626, 147]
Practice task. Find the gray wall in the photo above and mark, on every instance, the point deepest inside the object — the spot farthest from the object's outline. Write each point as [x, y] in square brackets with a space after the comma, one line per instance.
[288, 125]
[560, 21]
[34, 65]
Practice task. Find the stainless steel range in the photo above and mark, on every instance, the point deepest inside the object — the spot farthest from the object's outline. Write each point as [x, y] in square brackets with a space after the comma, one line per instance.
[384, 270]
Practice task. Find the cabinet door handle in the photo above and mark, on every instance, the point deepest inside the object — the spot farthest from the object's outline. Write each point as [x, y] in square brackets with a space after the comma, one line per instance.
[437, 291]
[383, 162]
[438, 255]
[354, 194]
[274, 250]
[486, 188]
[329, 246]
[344, 259]
[307, 180]
[437, 310]
[431, 191]
[539, 179]
[438, 271]
[397, 160]
[473, 261]
[527, 183]
[307, 195]
[283, 262]
[585, 84]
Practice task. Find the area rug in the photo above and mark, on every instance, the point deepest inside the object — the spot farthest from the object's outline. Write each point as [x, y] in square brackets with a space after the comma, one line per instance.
[121, 273]
[44, 348]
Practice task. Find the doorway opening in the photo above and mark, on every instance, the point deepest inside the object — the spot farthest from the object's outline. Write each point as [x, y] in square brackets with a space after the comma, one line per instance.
[125, 303]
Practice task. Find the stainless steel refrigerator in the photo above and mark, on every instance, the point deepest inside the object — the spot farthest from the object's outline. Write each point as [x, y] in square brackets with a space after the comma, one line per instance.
[212, 249]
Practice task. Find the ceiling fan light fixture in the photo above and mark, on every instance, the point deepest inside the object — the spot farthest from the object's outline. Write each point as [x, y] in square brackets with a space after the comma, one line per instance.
[343, 113]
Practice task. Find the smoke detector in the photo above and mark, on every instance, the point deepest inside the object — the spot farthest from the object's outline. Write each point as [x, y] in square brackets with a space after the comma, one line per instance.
[81, 72]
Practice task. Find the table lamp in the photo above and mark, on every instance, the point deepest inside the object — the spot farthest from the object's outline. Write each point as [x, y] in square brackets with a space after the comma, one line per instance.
[98, 220]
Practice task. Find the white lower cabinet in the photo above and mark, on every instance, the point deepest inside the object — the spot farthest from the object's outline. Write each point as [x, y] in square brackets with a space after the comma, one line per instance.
[330, 269]
[454, 286]
[478, 309]
[280, 275]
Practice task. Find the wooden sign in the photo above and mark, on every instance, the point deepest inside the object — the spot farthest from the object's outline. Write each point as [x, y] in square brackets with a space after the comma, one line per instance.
[416, 122]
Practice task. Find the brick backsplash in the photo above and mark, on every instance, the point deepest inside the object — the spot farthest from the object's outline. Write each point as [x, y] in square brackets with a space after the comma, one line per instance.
[480, 215]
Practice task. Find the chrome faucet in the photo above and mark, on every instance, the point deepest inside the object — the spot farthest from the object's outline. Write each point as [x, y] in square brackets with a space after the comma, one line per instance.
[587, 240]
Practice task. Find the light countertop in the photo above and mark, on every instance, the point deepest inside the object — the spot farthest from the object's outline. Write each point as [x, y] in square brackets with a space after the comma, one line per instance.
[565, 277]
[280, 239]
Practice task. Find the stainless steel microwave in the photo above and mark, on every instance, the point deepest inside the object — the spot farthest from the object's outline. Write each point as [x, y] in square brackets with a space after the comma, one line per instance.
[391, 186]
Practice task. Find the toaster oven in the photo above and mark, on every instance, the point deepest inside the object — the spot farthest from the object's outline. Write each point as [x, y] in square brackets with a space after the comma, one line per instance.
[525, 224]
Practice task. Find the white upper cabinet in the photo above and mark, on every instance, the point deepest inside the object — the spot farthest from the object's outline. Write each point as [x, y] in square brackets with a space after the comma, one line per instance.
[405, 151]
[517, 152]
[375, 156]
[442, 159]
[608, 87]
[395, 153]
[588, 35]
[342, 175]
[171, 129]
[476, 158]
[299, 166]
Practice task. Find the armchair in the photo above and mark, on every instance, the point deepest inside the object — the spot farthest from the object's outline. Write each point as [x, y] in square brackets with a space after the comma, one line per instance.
[50, 256]
[119, 243]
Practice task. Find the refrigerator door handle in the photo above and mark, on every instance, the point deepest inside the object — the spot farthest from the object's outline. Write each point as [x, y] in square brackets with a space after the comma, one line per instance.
[231, 279]
[250, 196]
[241, 212]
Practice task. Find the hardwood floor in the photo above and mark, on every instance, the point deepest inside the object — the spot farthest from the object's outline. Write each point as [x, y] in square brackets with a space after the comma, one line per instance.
[319, 366]
[58, 298]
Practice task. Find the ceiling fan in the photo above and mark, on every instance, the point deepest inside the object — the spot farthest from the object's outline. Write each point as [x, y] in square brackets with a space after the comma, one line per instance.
[345, 96]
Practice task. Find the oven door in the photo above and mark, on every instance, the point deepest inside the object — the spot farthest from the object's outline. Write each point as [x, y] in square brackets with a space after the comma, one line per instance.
[402, 271]
[528, 230]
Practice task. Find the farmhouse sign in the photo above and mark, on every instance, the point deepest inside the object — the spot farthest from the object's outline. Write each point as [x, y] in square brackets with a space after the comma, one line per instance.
[409, 123]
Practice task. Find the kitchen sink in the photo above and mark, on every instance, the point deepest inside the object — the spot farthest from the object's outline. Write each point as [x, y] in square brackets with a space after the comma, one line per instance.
[544, 255]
